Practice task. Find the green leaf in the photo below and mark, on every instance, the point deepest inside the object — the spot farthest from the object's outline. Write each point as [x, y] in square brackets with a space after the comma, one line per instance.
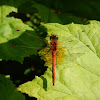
[77, 79]
[46, 15]
[8, 90]
[14, 32]
[5, 10]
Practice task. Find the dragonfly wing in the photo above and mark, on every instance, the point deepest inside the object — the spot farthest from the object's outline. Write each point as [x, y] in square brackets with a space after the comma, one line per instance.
[65, 55]
[73, 56]
[74, 53]
[69, 42]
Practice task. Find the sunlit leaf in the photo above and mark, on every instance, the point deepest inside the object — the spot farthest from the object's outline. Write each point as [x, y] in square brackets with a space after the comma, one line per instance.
[76, 79]
[5, 10]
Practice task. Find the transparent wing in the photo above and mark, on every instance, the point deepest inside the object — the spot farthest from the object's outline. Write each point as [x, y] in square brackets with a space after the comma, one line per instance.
[72, 49]
[29, 39]
[74, 53]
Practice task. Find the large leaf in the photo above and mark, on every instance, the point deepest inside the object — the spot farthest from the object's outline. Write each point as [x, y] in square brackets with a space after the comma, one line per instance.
[15, 32]
[76, 79]
[8, 90]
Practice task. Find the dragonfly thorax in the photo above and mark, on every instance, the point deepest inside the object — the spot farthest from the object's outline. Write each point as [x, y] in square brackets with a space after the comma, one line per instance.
[53, 45]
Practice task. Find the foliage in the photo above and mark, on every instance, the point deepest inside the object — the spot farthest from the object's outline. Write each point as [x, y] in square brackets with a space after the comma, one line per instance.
[23, 25]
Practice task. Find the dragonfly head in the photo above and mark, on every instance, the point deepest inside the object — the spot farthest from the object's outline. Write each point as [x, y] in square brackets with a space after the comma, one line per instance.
[53, 37]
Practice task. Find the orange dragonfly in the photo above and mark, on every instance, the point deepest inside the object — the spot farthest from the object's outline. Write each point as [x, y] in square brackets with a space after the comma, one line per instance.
[53, 47]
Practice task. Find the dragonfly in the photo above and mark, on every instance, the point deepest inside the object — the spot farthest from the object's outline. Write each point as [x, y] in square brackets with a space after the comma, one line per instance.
[53, 47]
